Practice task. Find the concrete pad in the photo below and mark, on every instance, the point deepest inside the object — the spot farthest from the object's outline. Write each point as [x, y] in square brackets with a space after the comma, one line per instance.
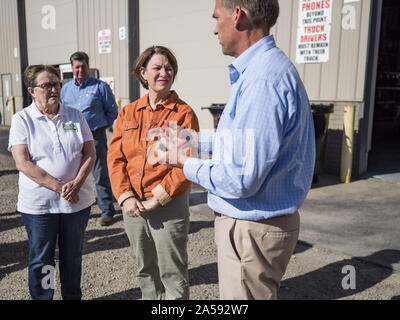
[360, 219]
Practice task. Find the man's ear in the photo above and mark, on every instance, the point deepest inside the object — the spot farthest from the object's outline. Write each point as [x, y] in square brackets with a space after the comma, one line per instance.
[240, 17]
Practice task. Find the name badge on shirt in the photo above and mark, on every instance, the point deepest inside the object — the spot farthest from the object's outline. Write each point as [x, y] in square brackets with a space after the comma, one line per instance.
[69, 126]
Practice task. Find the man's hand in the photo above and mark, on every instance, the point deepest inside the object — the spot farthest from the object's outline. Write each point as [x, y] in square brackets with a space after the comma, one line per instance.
[171, 144]
[133, 207]
[173, 156]
[183, 138]
[151, 204]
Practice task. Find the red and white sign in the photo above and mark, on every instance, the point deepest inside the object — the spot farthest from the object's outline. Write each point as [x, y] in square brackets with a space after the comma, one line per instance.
[109, 81]
[313, 33]
[104, 41]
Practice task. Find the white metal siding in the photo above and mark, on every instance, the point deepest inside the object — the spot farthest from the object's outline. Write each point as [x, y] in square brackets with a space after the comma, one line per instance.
[96, 15]
[9, 63]
[186, 27]
[342, 78]
[51, 46]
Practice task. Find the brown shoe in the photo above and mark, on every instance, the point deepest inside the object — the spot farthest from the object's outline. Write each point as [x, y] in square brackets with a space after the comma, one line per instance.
[106, 221]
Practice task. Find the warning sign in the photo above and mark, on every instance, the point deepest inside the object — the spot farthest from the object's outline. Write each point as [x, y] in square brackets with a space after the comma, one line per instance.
[104, 41]
[313, 33]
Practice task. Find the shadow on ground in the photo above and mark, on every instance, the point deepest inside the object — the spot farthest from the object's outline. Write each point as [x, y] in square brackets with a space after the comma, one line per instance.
[204, 274]
[8, 172]
[10, 223]
[197, 198]
[13, 257]
[326, 282]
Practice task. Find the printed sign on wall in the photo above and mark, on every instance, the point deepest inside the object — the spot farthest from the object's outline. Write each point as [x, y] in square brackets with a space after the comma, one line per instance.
[6, 89]
[109, 81]
[104, 41]
[313, 33]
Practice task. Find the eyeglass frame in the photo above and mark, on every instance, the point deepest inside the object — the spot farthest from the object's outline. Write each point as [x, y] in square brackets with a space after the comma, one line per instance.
[49, 86]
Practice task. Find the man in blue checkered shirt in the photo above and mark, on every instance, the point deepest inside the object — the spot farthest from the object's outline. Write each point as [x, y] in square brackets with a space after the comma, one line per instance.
[263, 154]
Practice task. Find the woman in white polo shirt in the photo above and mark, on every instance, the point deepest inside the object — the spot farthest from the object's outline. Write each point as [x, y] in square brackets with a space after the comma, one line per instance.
[54, 152]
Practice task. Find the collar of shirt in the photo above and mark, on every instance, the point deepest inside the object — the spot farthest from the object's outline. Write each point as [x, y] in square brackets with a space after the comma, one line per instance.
[240, 64]
[169, 103]
[84, 83]
[37, 114]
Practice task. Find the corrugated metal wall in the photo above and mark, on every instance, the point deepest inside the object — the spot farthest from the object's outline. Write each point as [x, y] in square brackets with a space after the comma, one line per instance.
[9, 62]
[342, 78]
[96, 15]
[186, 27]
[51, 30]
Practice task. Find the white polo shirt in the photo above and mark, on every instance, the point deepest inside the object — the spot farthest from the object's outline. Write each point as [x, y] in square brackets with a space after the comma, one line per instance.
[56, 147]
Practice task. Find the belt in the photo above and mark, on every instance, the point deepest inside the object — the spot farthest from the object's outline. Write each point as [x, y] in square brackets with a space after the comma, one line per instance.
[217, 214]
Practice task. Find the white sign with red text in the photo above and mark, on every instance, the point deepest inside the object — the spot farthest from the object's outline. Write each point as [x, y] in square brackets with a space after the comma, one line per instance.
[313, 33]
[104, 41]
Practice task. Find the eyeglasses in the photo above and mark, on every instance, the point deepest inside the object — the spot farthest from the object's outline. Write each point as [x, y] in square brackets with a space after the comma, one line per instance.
[49, 86]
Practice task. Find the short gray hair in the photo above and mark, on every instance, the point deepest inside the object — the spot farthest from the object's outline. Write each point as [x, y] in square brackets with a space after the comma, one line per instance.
[31, 73]
[264, 13]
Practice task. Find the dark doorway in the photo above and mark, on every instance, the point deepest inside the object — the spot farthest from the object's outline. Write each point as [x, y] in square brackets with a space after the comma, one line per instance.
[384, 157]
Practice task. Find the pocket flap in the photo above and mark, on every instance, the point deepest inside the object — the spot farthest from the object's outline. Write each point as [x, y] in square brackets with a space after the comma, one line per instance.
[130, 125]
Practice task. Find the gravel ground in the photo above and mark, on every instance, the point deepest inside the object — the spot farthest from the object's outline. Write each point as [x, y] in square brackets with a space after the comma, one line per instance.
[109, 269]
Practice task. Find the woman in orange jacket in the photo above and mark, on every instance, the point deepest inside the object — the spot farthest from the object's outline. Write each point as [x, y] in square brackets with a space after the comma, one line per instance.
[153, 196]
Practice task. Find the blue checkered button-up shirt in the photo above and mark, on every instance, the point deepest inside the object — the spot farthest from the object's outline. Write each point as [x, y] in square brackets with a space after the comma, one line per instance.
[263, 151]
[94, 99]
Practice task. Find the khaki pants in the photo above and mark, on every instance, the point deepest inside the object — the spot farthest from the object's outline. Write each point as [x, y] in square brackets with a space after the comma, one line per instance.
[253, 255]
[159, 241]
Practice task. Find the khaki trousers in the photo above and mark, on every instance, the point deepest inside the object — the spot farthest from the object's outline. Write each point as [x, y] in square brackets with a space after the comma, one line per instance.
[159, 242]
[253, 255]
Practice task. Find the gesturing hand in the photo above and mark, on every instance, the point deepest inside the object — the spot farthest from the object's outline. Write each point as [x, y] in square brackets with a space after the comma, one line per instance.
[182, 138]
[133, 207]
[171, 144]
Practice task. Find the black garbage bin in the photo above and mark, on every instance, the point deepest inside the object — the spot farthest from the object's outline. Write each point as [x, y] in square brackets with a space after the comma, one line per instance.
[216, 111]
[320, 114]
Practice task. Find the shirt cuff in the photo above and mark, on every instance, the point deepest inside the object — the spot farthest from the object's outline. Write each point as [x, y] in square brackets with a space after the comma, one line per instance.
[206, 140]
[124, 196]
[191, 167]
[161, 195]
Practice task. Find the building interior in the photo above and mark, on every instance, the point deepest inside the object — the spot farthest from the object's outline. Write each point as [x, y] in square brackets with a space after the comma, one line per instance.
[384, 157]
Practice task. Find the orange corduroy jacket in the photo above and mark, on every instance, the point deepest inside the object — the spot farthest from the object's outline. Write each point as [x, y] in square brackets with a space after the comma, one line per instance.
[131, 174]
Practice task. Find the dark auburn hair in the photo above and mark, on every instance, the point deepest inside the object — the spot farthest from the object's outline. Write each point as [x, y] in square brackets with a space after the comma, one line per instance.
[144, 58]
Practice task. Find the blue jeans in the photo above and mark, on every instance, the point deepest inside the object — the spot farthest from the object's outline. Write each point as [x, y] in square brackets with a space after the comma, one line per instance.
[105, 197]
[43, 231]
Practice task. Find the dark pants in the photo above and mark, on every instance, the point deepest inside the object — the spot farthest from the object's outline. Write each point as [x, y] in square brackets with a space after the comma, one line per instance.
[100, 173]
[43, 231]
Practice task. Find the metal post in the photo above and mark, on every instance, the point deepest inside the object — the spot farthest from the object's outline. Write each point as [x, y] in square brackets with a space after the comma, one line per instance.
[12, 105]
[119, 103]
[347, 144]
